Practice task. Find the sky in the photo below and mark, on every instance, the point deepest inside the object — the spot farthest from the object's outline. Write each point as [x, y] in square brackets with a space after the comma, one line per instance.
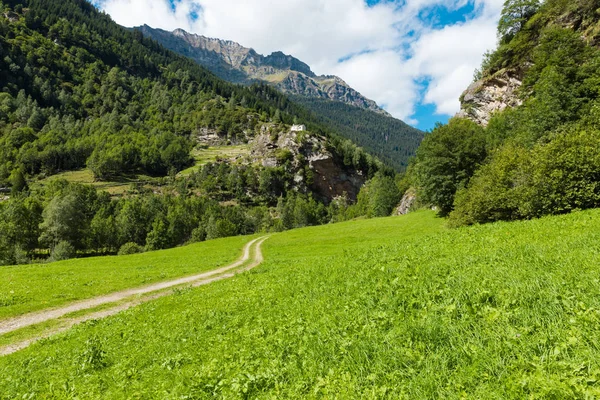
[413, 57]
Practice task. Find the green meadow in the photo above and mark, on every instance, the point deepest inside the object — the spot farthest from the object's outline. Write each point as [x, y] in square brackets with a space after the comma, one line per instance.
[27, 288]
[398, 308]
[203, 156]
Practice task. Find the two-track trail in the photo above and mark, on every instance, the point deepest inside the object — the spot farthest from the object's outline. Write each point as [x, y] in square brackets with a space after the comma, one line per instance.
[138, 296]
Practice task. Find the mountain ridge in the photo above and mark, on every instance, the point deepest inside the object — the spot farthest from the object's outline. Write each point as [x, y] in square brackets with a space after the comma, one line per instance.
[232, 61]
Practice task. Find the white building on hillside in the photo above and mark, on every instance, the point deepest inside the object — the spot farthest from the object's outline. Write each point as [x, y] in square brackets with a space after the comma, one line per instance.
[298, 128]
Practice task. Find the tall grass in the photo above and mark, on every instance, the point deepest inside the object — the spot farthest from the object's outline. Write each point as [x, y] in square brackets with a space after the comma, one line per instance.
[387, 308]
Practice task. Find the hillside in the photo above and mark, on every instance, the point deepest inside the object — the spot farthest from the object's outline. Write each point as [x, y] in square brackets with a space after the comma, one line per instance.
[105, 139]
[334, 102]
[499, 311]
[233, 62]
[527, 141]
[387, 138]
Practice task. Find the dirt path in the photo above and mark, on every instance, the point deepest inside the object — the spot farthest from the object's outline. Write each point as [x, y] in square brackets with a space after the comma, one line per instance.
[194, 281]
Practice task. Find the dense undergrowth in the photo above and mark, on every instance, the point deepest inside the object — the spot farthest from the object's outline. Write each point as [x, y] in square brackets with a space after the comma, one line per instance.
[385, 308]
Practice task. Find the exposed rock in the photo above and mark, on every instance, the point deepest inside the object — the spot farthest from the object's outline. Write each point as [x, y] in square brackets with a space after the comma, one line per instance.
[490, 95]
[332, 181]
[330, 178]
[408, 200]
[209, 137]
[11, 16]
[233, 62]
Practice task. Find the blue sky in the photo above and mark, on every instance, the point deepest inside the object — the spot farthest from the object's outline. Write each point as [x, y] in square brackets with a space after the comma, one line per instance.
[413, 57]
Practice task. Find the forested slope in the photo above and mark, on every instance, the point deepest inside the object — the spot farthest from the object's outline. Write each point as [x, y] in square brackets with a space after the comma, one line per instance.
[534, 148]
[391, 140]
[79, 92]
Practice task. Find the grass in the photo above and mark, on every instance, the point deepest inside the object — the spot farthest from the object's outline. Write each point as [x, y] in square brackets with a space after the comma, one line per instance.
[116, 187]
[28, 288]
[388, 308]
[211, 154]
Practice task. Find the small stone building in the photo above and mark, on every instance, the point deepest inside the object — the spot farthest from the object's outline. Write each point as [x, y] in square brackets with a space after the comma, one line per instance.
[298, 128]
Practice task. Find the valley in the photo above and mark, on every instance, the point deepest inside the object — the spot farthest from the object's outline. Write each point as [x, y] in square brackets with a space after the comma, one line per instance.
[182, 217]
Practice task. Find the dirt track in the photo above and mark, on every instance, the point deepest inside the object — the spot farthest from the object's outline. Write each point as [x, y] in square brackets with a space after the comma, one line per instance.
[147, 293]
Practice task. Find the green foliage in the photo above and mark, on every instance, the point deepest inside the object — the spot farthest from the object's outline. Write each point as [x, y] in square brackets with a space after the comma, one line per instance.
[553, 178]
[498, 191]
[447, 159]
[130, 248]
[64, 221]
[62, 251]
[17, 181]
[515, 15]
[377, 198]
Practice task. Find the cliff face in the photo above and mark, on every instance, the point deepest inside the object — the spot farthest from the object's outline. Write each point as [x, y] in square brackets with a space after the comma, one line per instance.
[489, 95]
[315, 168]
[233, 62]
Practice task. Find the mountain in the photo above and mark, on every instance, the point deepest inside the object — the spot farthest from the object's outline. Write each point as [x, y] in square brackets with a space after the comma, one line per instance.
[329, 98]
[233, 62]
[104, 138]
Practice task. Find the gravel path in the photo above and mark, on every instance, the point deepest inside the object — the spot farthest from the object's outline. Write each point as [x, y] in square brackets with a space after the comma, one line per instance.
[146, 292]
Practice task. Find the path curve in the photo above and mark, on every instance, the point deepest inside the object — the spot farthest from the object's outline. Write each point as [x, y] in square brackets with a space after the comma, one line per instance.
[37, 317]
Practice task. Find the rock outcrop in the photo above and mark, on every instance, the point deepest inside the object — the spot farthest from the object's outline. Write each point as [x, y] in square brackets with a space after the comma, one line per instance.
[489, 95]
[329, 178]
[233, 62]
[407, 202]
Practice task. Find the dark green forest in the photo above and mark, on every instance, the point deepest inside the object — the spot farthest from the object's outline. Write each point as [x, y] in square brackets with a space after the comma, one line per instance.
[79, 91]
[391, 140]
[537, 159]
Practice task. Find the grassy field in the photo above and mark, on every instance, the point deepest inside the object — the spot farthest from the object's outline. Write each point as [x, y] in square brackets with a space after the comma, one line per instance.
[117, 187]
[27, 288]
[387, 308]
[211, 154]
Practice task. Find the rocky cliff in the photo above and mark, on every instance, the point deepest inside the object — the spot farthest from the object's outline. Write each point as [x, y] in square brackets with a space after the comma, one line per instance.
[315, 167]
[489, 95]
[233, 62]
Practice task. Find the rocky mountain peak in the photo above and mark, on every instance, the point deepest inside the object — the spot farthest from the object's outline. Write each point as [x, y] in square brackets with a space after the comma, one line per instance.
[233, 62]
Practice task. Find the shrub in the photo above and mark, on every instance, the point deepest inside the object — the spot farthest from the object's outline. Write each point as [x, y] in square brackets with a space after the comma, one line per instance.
[567, 173]
[130, 248]
[62, 251]
[497, 191]
[553, 178]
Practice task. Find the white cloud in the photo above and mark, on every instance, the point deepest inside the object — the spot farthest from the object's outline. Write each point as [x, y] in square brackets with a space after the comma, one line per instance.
[449, 57]
[392, 48]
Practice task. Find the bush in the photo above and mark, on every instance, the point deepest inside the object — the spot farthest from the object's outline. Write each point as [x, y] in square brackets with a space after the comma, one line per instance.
[130, 248]
[62, 251]
[567, 173]
[553, 178]
[497, 191]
